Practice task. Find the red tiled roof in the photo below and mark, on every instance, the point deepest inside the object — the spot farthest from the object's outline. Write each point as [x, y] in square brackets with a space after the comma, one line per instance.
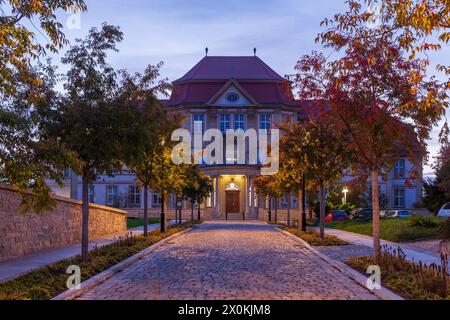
[225, 68]
[208, 77]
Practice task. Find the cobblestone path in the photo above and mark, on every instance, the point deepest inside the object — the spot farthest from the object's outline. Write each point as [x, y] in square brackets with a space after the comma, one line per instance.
[230, 260]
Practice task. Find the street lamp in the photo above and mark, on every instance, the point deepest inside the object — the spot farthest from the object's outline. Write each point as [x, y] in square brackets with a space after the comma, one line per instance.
[344, 191]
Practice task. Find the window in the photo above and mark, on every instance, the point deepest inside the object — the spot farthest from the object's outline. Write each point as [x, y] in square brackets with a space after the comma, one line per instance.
[264, 122]
[232, 97]
[399, 169]
[157, 199]
[91, 193]
[135, 196]
[112, 194]
[399, 198]
[225, 122]
[239, 122]
[199, 123]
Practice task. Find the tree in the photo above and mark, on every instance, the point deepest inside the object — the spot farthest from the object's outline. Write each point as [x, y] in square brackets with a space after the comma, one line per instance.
[413, 26]
[149, 125]
[315, 147]
[265, 186]
[437, 190]
[381, 100]
[442, 169]
[197, 189]
[287, 181]
[90, 120]
[19, 46]
[27, 94]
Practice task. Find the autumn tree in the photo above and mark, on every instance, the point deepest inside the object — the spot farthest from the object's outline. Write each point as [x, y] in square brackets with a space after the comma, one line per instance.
[197, 189]
[415, 27]
[317, 148]
[26, 89]
[381, 99]
[89, 121]
[266, 187]
[437, 189]
[148, 126]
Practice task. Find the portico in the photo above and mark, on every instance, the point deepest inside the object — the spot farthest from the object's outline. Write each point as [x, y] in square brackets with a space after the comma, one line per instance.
[233, 194]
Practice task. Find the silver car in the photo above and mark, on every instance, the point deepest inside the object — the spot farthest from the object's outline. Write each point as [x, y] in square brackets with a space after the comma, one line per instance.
[445, 210]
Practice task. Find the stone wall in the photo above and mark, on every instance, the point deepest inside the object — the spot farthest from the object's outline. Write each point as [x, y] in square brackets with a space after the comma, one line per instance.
[21, 233]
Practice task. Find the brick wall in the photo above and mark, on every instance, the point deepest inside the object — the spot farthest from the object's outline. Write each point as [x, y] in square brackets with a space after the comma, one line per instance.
[25, 233]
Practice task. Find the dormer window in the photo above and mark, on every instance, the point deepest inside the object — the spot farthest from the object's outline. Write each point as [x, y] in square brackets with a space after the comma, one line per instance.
[232, 97]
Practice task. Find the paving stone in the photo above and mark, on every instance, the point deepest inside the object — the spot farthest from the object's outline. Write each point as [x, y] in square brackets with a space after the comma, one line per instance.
[230, 260]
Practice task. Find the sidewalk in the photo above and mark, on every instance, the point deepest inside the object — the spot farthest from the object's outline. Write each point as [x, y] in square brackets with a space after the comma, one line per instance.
[412, 254]
[14, 268]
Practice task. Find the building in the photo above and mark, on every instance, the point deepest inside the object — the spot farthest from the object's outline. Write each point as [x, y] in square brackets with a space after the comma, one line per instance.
[229, 93]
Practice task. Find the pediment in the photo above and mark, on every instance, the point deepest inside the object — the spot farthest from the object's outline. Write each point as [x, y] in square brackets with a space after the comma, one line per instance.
[232, 94]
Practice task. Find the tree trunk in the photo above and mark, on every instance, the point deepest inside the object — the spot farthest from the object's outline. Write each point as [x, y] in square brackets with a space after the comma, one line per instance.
[181, 211]
[270, 209]
[276, 209]
[376, 217]
[322, 210]
[85, 219]
[303, 203]
[300, 210]
[289, 210]
[145, 210]
[192, 211]
[163, 214]
[198, 212]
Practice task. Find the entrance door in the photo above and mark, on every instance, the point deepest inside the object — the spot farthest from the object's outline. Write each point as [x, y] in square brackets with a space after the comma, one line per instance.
[232, 201]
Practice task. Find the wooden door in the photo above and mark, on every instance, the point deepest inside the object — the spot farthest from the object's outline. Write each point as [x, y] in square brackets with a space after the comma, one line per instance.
[232, 201]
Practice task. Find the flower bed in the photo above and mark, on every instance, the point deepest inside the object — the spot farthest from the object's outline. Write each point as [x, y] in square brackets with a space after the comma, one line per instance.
[412, 281]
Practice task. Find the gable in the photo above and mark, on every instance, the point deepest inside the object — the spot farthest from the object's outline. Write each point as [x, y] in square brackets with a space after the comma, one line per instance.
[231, 95]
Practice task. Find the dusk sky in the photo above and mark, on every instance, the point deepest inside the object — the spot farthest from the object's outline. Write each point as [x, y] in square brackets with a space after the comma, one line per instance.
[177, 32]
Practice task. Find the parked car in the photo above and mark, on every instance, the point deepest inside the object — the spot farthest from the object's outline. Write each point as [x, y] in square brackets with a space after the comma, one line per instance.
[402, 214]
[445, 210]
[363, 214]
[395, 214]
[337, 215]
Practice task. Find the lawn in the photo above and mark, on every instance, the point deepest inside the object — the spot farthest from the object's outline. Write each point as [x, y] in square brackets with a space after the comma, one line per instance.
[137, 222]
[394, 229]
[49, 281]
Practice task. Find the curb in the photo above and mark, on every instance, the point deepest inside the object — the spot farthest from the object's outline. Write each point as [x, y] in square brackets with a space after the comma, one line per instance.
[382, 293]
[108, 273]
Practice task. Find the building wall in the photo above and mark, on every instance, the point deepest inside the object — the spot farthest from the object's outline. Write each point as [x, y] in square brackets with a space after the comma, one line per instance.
[23, 233]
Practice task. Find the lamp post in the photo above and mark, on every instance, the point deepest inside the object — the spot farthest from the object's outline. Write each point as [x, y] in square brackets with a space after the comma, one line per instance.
[344, 191]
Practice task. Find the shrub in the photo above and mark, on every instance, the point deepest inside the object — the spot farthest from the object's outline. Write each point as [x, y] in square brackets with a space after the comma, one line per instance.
[423, 222]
